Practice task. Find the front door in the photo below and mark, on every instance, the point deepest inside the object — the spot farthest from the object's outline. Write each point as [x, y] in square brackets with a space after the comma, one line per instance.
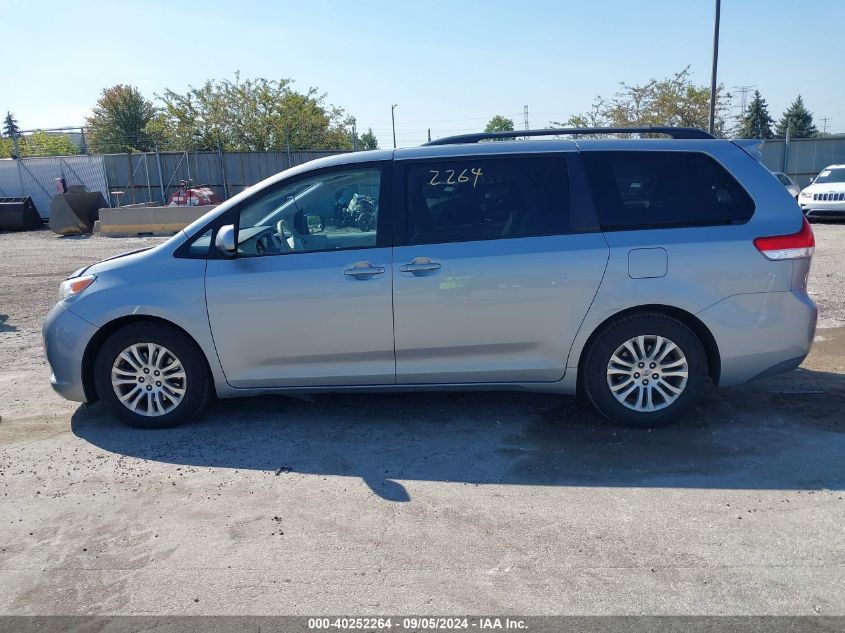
[491, 277]
[307, 299]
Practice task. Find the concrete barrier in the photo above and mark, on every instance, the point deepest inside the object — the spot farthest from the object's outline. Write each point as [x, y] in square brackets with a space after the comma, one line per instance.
[147, 220]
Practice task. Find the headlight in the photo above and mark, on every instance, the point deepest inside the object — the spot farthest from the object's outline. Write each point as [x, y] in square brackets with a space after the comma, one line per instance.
[72, 287]
[805, 194]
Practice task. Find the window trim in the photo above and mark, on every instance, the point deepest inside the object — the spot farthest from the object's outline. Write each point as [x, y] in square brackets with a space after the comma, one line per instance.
[384, 232]
[678, 225]
[581, 215]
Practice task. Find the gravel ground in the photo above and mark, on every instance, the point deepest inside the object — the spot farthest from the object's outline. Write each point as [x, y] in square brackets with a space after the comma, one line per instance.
[827, 275]
[424, 503]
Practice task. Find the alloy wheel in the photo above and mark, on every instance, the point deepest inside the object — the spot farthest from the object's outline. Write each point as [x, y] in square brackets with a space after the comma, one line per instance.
[647, 373]
[148, 379]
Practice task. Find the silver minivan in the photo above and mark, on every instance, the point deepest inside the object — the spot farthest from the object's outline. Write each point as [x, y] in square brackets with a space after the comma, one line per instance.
[631, 270]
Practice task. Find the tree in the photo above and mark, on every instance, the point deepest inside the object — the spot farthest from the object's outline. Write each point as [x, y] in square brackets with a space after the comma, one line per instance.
[119, 120]
[10, 126]
[756, 123]
[499, 124]
[39, 143]
[798, 120]
[673, 101]
[369, 140]
[249, 115]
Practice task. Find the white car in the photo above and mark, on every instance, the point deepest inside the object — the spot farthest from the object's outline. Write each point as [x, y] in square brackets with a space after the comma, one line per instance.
[791, 186]
[824, 198]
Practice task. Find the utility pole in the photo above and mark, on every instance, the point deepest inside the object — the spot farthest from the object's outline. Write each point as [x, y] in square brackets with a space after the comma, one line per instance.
[354, 137]
[393, 122]
[824, 121]
[525, 118]
[712, 122]
[429, 134]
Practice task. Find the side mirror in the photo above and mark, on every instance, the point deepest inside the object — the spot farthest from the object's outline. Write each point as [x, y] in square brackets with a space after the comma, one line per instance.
[225, 240]
[314, 223]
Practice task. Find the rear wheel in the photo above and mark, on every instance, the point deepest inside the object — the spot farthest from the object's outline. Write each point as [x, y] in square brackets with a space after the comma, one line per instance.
[152, 376]
[645, 370]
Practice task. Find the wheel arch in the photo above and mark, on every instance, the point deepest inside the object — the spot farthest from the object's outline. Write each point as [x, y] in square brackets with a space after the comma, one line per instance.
[711, 348]
[96, 343]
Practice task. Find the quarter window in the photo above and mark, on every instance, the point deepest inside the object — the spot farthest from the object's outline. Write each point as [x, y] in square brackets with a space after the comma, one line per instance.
[337, 210]
[483, 199]
[637, 189]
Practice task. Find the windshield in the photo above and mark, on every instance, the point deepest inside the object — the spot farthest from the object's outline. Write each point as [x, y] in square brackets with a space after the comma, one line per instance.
[831, 175]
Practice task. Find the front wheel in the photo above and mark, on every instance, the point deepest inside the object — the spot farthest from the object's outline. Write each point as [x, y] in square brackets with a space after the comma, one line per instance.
[152, 376]
[645, 370]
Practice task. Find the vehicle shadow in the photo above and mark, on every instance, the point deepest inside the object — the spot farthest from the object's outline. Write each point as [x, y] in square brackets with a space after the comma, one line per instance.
[778, 433]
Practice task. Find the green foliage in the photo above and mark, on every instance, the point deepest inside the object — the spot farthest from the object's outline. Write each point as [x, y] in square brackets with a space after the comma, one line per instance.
[499, 123]
[39, 143]
[368, 140]
[798, 120]
[673, 101]
[10, 125]
[249, 115]
[756, 123]
[119, 120]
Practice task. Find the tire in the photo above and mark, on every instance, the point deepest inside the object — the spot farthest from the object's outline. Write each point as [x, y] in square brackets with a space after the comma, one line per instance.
[612, 370]
[180, 396]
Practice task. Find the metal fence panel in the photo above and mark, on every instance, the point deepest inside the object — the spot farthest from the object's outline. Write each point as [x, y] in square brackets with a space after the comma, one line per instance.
[36, 177]
[804, 158]
[229, 173]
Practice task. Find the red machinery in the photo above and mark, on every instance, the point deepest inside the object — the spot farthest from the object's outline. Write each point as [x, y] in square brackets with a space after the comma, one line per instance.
[188, 196]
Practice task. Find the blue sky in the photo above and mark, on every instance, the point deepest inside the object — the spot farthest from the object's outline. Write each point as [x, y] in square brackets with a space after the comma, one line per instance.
[449, 65]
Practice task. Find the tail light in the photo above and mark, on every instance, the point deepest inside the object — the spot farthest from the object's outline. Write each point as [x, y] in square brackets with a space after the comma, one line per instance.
[795, 246]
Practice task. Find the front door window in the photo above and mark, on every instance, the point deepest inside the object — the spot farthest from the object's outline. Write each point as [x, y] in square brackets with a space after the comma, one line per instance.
[337, 210]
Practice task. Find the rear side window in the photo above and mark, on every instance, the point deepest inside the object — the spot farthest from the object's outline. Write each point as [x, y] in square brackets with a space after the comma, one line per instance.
[637, 189]
[488, 198]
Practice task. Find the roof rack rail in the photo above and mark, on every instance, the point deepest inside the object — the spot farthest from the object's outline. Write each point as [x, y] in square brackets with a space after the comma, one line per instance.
[674, 132]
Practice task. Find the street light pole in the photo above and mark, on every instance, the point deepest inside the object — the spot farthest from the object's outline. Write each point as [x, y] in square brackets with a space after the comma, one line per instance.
[393, 121]
[712, 123]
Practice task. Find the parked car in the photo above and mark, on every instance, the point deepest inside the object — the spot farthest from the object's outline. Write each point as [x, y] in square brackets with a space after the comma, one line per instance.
[824, 198]
[791, 186]
[632, 271]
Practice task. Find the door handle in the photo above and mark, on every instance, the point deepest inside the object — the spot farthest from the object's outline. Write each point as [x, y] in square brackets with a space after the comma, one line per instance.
[363, 270]
[419, 266]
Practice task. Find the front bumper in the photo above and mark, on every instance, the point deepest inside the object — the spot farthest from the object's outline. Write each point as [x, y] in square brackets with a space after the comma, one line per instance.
[821, 210]
[761, 334]
[65, 338]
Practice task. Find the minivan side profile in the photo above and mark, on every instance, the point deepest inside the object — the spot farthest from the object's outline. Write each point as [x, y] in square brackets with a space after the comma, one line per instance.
[633, 271]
